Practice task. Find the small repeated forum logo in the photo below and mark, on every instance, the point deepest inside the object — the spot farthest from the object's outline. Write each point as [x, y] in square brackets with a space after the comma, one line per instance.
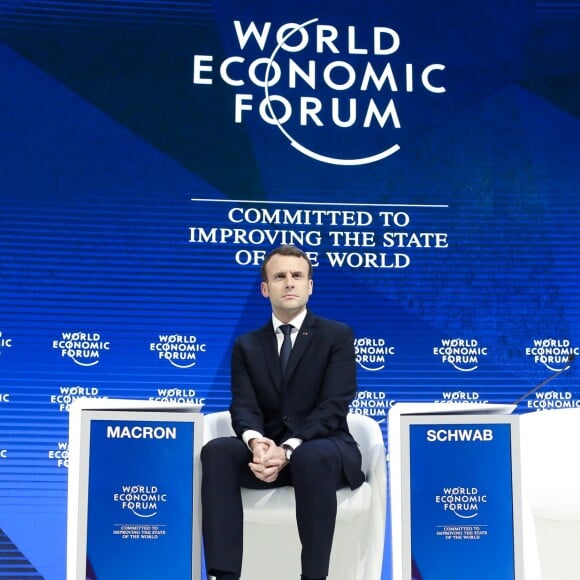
[462, 354]
[178, 395]
[554, 353]
[372, 404]
[372, 353]
[83, 348]
[141, 500]
[180, 350]
[59, 455]
[5, 342]
[66, 395]
[460, 396]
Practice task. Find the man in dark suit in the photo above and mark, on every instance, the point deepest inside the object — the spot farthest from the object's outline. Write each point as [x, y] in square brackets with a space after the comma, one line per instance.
[289, 412]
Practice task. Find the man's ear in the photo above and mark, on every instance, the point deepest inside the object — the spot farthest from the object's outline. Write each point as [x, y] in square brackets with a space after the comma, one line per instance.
[264, 289]
[310, 286]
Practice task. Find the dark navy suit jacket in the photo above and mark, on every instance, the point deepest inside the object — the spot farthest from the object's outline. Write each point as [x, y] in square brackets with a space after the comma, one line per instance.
[312, 400]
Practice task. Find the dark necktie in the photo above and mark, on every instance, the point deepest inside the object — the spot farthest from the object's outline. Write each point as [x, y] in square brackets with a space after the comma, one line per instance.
[286, 346]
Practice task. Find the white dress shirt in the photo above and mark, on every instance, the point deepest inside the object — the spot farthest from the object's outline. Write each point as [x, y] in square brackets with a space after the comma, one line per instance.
[296, 323]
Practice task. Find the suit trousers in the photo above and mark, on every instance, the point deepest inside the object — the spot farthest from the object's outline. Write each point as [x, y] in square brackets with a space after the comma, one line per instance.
[315, 471]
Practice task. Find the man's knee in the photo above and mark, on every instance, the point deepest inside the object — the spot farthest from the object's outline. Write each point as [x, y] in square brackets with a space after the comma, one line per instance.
[223, 447]
[316, 456]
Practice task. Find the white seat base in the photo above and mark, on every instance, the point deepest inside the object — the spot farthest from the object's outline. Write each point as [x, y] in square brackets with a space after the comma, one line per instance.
[278, 506]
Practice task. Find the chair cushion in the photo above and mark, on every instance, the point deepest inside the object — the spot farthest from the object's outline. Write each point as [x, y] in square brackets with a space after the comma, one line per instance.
[278, 506]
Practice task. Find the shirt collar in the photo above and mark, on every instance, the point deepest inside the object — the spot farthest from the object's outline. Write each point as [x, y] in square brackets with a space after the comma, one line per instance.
[296, 322]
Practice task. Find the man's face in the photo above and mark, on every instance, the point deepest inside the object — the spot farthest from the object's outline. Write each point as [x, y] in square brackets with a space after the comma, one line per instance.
[288, 286]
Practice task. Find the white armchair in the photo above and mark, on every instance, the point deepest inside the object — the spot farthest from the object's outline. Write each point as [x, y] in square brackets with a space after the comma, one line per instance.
[551, 494]
[269, 516]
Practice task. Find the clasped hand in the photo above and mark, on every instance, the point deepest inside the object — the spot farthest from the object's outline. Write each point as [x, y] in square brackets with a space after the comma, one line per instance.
[267, 459]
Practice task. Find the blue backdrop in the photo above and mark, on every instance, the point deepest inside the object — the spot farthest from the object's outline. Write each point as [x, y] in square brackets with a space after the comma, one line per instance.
[426, 154]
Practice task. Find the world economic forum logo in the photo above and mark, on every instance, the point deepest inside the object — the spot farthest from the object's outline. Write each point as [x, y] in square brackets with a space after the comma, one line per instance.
[179, 349]
[554, 353]
[83, 348]
[463, 502]
[371, 404]
[461, 353]
[334, 93]
[5, 342]
[372, 353]
[141, 500]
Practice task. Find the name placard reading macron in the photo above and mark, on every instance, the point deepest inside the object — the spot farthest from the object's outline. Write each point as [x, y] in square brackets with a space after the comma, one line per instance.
[140, 502]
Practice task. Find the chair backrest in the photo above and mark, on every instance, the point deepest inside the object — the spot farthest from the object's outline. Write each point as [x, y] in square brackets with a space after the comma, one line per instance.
[217, 425]
[366, 432]
[550, 465]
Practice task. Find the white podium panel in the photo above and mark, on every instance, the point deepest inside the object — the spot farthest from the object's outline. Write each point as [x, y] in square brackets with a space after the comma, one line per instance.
[455, 492]
[133, 493]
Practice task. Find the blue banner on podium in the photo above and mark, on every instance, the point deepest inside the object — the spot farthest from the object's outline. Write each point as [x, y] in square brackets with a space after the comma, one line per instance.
[462, 498]
[140, 501]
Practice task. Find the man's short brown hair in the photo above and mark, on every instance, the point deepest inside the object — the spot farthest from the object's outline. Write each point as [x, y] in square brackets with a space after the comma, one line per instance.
[287, 250]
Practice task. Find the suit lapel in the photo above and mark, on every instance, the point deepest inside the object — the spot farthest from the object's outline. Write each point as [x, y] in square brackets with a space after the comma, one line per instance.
[301, 343]
[269, 345]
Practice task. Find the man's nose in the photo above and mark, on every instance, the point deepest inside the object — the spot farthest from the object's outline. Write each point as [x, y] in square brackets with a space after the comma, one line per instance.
[289, 280]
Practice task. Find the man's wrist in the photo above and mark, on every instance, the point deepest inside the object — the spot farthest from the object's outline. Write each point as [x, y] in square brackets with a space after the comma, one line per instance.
[288, 450]
[250, 434]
